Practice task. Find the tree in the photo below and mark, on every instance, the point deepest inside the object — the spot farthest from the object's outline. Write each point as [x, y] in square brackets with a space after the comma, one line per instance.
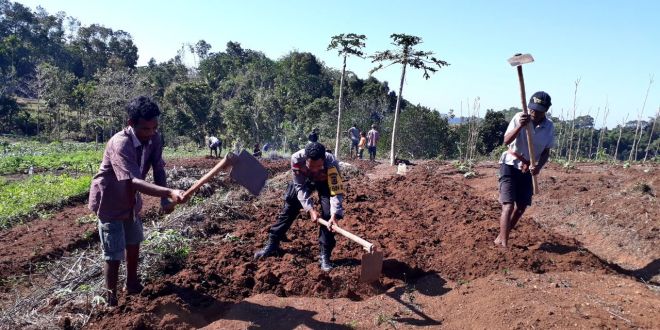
[194, 102]
[570, 142]
[406, 55]
[109, 97]
[346, 45]
[491, 133]
[655, 120]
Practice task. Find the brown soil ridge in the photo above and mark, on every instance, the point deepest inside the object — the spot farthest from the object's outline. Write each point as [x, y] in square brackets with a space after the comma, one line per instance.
[426, 222]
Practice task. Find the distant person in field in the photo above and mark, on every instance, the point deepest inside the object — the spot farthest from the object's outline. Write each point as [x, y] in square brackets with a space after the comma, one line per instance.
[313, 169]
[314, 135]
[354, 135]
[114, 195]
[362, 144]
[214, 144]
[256, 150]
[515, 168]
[372, 142]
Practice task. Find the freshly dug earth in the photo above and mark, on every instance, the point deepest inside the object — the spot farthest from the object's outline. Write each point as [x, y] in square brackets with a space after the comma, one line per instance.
[612, 211]
[441, 269]
[431, 221]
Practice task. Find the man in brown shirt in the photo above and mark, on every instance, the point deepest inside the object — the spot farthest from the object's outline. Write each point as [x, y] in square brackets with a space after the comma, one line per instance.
[114, 194]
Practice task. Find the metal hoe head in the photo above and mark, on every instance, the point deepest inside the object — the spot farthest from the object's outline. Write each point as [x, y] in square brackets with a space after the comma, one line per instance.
[249, 173]
[372, 266]
[520, 59]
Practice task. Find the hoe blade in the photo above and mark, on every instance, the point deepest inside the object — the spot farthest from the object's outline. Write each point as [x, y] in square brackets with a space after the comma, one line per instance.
[249, 173]
[520, 59]
[372, 266]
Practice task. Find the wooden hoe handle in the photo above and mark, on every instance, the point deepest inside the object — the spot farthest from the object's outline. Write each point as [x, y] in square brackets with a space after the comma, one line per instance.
[223, 164]
[366, 245]
[528, 129]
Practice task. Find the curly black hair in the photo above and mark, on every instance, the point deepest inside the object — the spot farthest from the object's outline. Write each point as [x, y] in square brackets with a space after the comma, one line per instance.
[142, 107]
[315, 151]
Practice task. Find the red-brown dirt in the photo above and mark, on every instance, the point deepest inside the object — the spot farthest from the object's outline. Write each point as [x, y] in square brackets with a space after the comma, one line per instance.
[573, 261]
[39, 240]
[431, 221]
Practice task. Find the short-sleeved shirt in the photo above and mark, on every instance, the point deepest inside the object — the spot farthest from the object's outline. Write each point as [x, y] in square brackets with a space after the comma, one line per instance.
[111, 195]
[543, 136]
[354, 133]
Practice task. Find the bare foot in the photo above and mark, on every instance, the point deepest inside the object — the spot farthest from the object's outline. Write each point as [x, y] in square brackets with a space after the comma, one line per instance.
[499, 242]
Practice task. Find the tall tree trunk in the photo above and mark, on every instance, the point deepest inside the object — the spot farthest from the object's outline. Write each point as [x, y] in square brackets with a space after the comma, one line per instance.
[633, 156]
[570, 145]
[637, 140]
[616, 151]
[561, 133]
[603, 130]
[37, 116]
[591, 136]
[577, 150]
[396, 111]
[341, 89]
[646, 152]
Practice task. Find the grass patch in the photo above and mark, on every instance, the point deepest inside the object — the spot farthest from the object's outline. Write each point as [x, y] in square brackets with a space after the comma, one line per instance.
[23, 198]
[18, 157]
[170, 250]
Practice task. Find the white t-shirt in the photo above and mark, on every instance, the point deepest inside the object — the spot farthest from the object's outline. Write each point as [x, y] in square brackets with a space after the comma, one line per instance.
[543, 136]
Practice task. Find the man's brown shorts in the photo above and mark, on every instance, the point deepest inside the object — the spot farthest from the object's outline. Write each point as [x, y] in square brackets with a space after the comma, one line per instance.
[515, 186]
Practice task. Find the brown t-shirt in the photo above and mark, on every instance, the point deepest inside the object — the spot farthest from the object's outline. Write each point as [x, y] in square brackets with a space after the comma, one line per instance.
[111, 195]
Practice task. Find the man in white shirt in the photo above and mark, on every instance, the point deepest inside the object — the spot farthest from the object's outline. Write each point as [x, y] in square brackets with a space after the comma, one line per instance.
[214, 145]
[515, 168]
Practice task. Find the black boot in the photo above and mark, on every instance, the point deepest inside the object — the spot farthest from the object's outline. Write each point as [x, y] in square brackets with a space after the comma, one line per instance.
[271, 248]
[324, 259]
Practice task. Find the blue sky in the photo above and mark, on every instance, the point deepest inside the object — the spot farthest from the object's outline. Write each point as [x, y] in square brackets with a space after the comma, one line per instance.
[612, 46]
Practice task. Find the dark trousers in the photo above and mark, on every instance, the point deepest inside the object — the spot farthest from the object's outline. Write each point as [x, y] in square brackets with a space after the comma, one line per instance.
[292, 208]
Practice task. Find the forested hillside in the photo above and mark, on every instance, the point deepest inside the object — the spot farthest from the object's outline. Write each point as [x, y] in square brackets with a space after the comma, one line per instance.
[62, 80]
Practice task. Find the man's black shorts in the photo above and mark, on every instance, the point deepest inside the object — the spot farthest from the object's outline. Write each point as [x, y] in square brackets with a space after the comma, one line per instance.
[515, 186]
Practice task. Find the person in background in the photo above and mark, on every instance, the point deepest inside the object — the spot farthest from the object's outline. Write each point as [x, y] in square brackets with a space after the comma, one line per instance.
[256, 150]
[314, 135]
[362, 144]
[354, 135]
[372, 142]
[214, 144]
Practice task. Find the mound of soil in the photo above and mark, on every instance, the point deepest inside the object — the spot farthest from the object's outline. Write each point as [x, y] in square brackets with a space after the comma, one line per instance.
[425, 222]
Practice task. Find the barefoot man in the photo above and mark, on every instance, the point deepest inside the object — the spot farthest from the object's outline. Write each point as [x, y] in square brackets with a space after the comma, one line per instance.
[515, 169]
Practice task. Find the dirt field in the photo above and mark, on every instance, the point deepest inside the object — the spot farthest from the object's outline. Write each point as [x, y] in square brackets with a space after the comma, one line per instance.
[585, 255]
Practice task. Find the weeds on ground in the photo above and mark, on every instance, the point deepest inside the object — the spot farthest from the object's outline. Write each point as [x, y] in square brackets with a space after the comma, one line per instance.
[169, 248]
[90, 218]
[352, 324]
[461, 282]
[382, 319]
[232, 238]
[466, 168]
[643, 188]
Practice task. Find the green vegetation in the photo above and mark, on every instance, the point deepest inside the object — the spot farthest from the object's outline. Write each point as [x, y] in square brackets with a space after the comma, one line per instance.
[72, 156]
[24, 198]
[169, 248]
[63, 80]
[18, 157]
